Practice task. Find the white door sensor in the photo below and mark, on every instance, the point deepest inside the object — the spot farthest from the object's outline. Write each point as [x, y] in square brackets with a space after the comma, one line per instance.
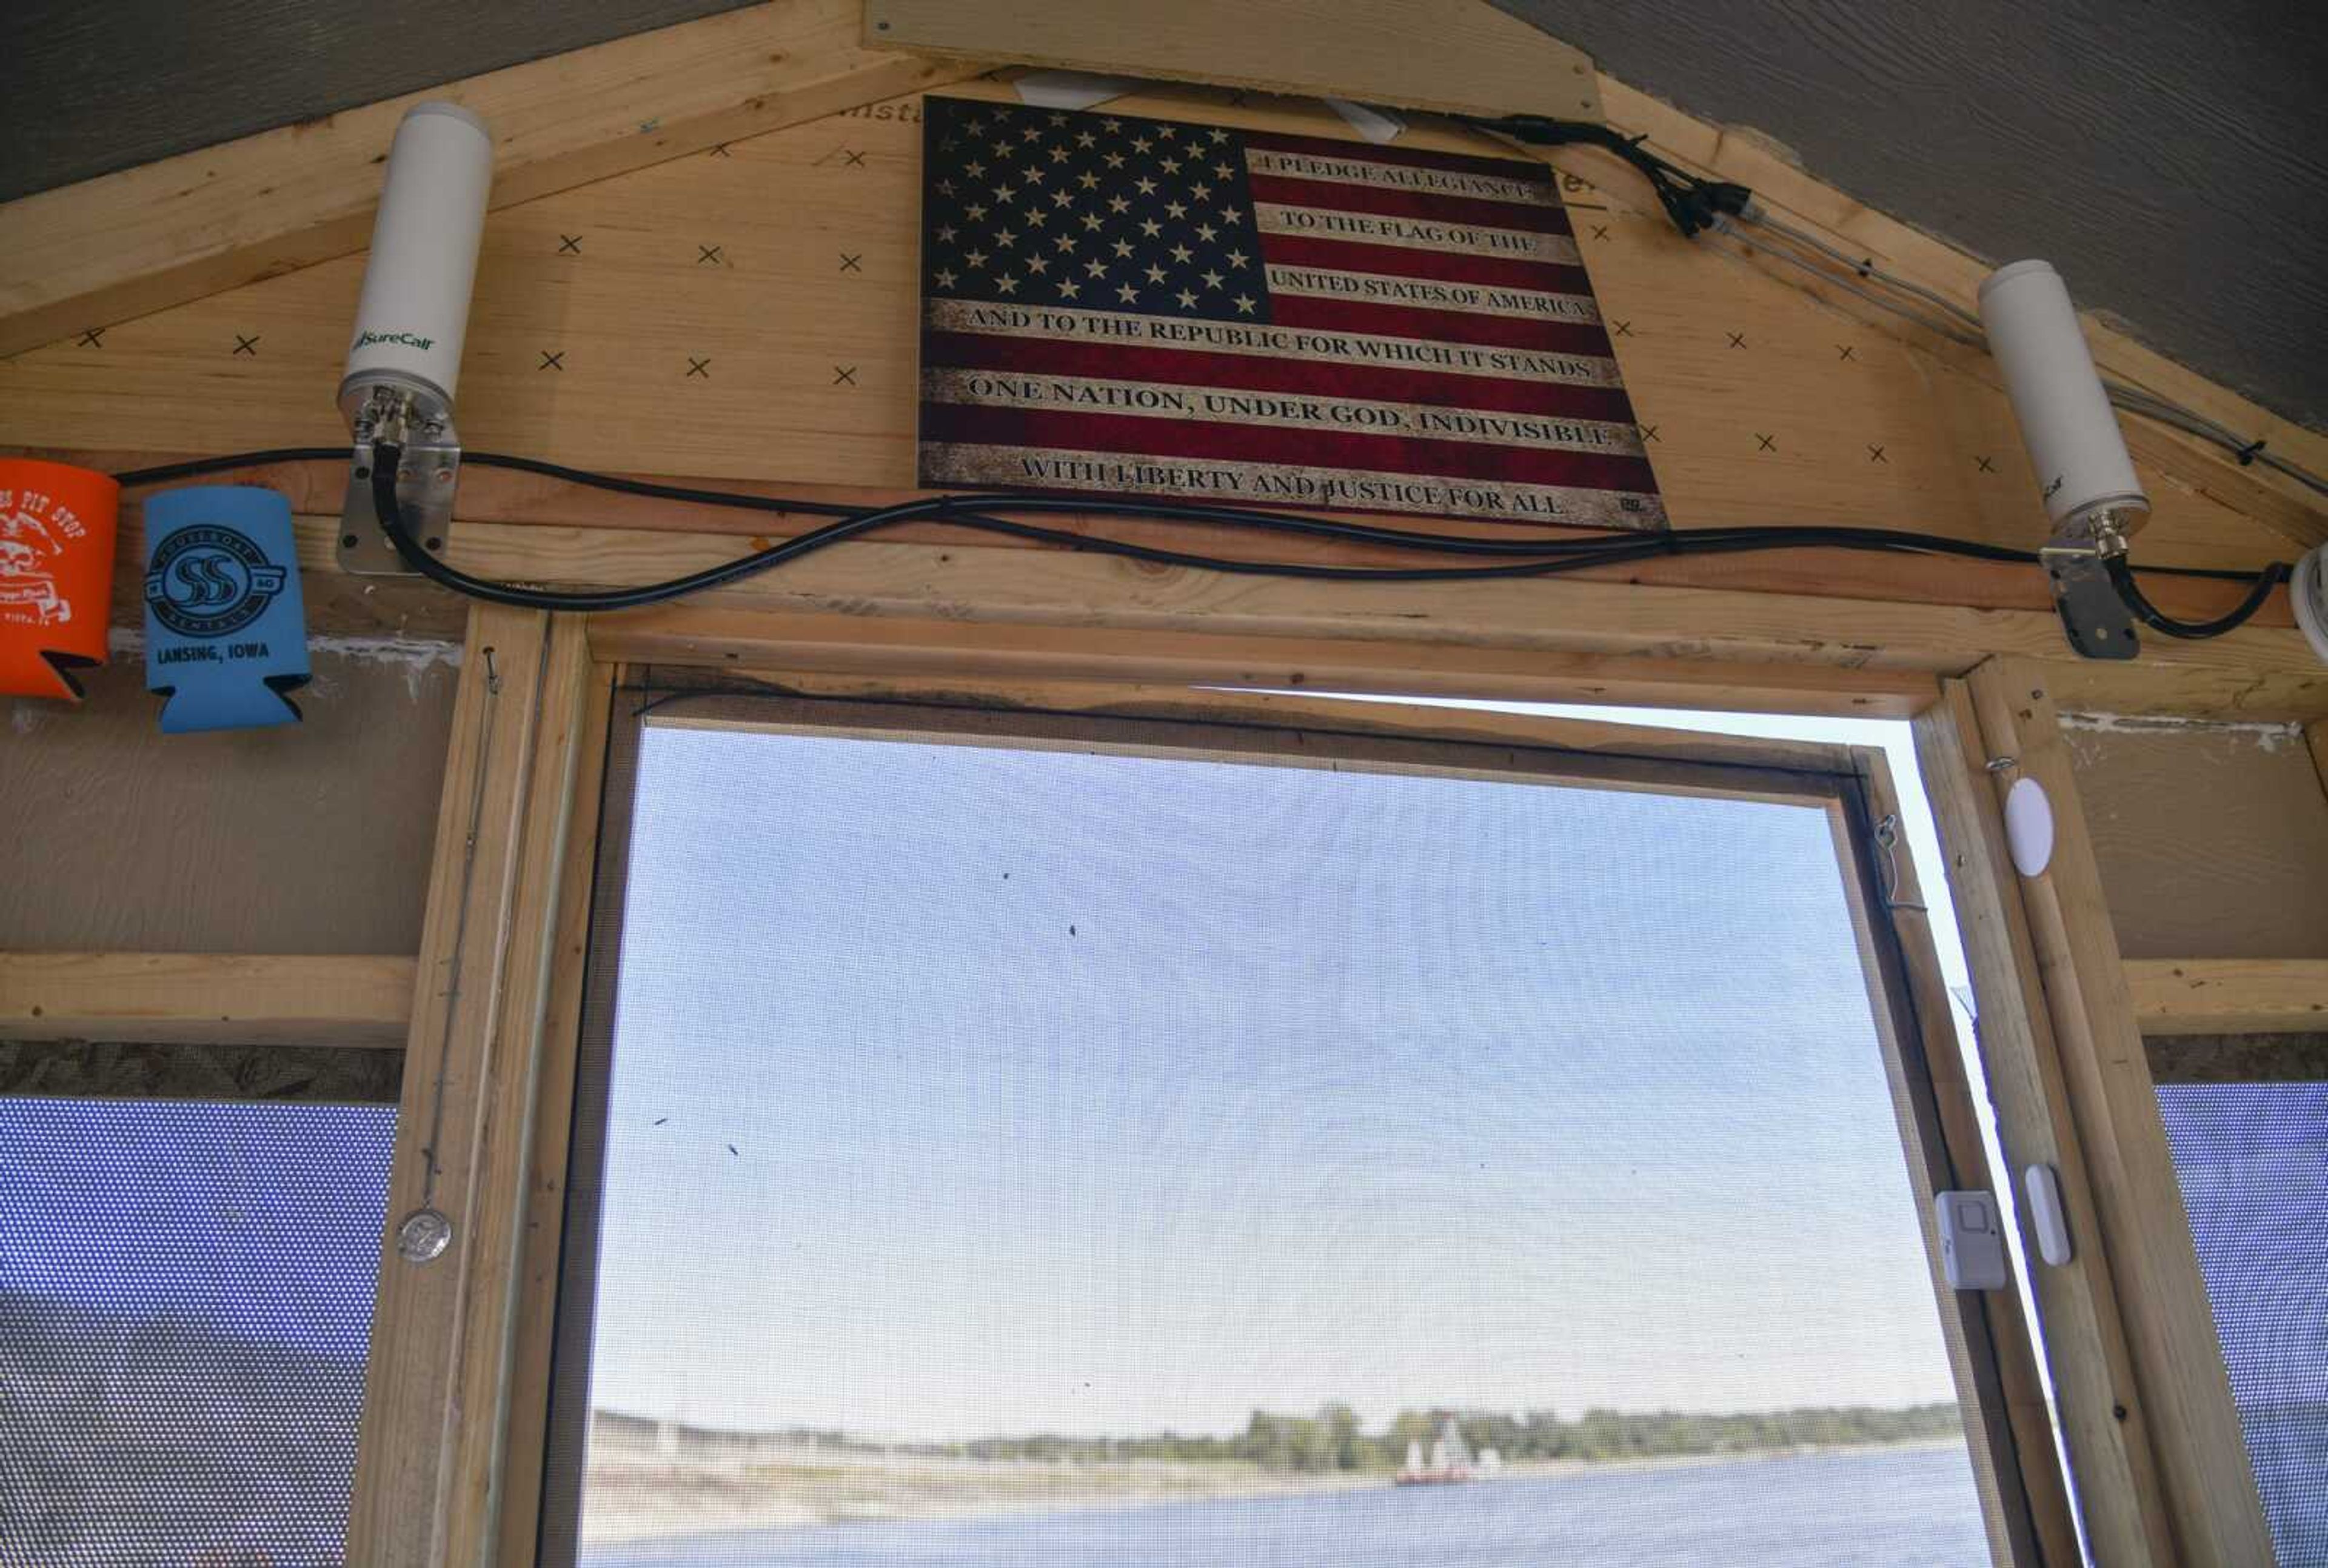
[1972, 1240]
[2047, 1215]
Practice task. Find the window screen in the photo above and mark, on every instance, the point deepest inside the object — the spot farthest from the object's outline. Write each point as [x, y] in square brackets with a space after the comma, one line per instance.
[2253, 1162]
[1038, 1157]
[185, 1295]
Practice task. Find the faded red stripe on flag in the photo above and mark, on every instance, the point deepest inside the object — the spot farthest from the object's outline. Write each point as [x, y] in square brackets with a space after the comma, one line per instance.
[1444, 266]
[1445, 326]
[1182, 438]
[1260, 374]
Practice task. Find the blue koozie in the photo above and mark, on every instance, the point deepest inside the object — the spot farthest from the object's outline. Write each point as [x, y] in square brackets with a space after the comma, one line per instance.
[226, 632]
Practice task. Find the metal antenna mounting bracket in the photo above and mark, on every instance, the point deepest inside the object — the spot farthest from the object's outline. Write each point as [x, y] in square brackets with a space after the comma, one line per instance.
[417, 421]
[2077, 560]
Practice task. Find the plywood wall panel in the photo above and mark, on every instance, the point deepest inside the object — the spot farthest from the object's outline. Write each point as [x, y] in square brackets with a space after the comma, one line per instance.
[2212, 840]
[310, 838]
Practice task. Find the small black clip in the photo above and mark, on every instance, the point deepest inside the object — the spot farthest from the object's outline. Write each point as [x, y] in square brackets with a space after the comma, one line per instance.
[2247, 453]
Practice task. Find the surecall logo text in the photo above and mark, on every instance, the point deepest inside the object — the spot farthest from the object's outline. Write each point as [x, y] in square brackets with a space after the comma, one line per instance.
[408, 339]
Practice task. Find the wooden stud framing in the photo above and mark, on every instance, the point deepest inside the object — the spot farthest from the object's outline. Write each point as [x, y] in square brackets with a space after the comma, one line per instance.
[1463, 56]
[129, 243]
[2023, 1498]
[1078, 594]
[545, 1193]
[437, 1381]
[2210, 1489]
[2229, 996]
[933, 609]
[205, 998]
[2105, 1427]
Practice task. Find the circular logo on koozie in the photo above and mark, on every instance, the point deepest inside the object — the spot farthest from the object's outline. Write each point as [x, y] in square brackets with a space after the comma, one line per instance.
[209, 580]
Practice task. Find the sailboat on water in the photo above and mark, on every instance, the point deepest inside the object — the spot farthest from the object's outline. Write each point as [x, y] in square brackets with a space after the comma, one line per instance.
[1449, 1459]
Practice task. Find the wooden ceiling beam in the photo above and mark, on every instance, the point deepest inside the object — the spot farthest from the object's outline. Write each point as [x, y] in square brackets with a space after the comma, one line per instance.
[126, 244]
[493, 494]
[1459, 56]
[937, 607]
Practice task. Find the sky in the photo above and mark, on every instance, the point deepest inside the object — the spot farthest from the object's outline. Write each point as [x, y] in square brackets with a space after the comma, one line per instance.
[963, 1091]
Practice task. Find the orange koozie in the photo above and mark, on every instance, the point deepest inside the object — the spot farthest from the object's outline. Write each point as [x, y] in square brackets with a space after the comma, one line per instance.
[57, 529]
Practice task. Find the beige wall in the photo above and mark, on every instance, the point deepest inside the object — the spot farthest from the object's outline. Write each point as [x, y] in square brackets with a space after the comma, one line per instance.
[2213, 838]
[310, 838]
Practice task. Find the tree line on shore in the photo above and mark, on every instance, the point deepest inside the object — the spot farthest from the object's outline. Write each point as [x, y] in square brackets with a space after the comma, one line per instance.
[1334, 1440]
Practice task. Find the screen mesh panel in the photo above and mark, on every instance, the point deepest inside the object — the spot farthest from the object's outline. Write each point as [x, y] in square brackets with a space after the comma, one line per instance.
[2253, 1163]
[185, 1295]
[1038, 1157]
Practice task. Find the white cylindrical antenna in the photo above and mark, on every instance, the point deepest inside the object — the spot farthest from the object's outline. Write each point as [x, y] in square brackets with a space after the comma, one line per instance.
[2307, 592]
[415, 309]
[2066, 421]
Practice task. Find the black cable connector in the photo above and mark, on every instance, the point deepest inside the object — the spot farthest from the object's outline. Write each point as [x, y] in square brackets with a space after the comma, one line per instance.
[1692, 203]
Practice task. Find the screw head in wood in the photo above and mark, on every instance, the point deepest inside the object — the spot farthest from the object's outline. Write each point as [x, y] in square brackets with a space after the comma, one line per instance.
[423, 1236]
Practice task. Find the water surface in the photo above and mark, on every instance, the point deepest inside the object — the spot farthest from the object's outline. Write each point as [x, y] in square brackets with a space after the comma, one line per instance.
[1904, 1507]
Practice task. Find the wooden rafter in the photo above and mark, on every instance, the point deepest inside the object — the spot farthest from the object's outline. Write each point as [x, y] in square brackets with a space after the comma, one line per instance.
[2278, 504]
[437, 1380]
[126, 244]
[1463, 56]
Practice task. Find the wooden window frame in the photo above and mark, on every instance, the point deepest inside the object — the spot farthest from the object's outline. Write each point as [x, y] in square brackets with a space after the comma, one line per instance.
[452, 1459]
[2024, 1504]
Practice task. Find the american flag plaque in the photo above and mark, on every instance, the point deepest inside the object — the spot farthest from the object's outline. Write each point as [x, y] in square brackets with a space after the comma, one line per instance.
[1120, 304]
